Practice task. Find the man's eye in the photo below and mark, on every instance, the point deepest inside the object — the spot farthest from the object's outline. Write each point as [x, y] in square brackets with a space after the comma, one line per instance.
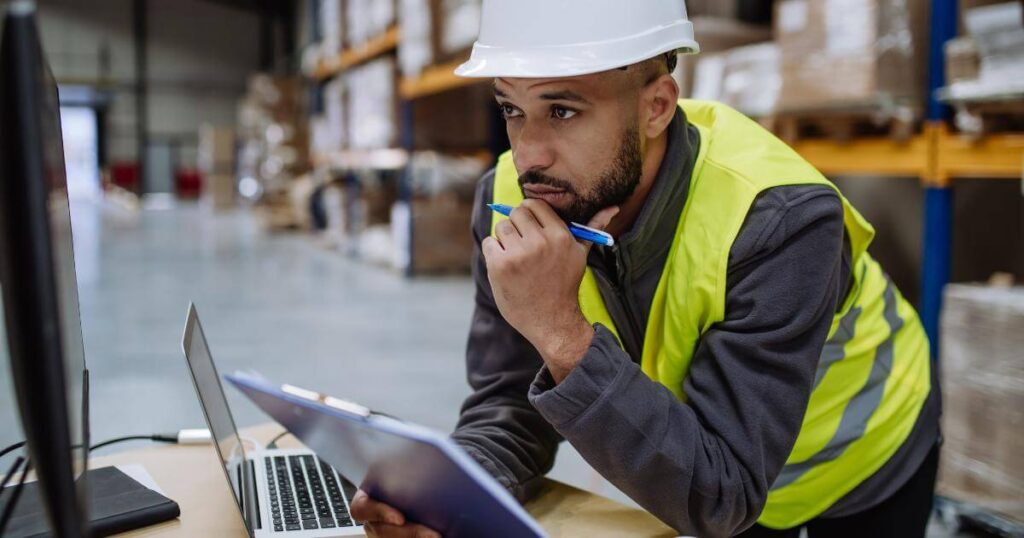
[562, 113]
[508, 111]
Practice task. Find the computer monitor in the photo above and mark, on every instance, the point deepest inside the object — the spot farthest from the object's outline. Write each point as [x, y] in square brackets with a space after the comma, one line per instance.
[37, 275]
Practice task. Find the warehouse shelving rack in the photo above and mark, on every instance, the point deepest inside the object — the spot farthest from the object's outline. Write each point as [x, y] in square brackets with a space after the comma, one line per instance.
[937, 156]
[373, 48]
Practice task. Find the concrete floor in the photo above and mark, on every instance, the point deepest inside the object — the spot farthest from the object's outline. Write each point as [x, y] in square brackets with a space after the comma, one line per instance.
[276, 304]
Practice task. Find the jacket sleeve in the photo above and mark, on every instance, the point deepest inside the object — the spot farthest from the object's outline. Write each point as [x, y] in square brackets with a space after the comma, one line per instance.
[705, 466]
[498, 427]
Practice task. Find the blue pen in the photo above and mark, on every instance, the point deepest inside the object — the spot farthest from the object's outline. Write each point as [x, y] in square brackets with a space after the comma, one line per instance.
[579, 231]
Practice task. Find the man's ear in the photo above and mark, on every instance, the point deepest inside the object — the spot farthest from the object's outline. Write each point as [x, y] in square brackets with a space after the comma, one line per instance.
[660, 98]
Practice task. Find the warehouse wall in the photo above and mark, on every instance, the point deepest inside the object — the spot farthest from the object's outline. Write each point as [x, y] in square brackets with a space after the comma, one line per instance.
[199, 53]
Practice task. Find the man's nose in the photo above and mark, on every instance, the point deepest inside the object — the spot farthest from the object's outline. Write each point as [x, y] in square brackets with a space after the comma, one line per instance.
[533, 150]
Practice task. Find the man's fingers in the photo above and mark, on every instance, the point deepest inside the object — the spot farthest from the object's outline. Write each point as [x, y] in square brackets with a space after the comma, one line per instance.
[525, 221]
[543, 212]
[507, 234]
[384, 530]
[365, 509]
[603, 218]
[490, 247]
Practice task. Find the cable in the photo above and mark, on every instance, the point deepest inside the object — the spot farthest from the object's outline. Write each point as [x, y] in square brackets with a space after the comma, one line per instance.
[10, 472]
[158, 437]
[182, 436]
[11, 504]
[11, 448]
[273, 442]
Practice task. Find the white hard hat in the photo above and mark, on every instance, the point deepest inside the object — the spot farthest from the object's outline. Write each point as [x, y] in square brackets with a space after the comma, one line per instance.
[565, 38]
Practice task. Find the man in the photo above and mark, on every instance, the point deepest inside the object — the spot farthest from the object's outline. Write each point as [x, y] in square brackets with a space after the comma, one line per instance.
[737, 363]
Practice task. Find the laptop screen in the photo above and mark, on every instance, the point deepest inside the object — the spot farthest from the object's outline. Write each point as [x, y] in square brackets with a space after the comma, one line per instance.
[214, 403]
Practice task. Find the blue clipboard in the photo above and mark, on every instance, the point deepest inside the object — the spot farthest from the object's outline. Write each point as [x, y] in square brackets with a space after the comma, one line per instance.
[422, 473]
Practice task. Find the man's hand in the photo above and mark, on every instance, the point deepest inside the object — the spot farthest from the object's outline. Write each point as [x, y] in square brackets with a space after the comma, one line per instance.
[383, 521]
[535, 267]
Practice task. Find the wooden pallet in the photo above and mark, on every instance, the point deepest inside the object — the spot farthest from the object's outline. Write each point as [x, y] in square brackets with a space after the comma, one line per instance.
[844, 124]
[978, 118]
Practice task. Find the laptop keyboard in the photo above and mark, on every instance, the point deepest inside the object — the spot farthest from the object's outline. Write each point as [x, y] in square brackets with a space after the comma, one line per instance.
[307, 494]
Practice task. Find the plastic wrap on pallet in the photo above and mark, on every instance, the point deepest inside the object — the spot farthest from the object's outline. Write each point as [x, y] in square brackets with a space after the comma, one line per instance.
[849, 53]
[745, 78]
[357, 22]
[366, 19]
[432, 173]
[983, 391]
[998, 33]
[331, 23]
[382, 16]
[460, 24]
[716, 35]
[335, 107]
[372, 105]
[415, 48]
[962, 61]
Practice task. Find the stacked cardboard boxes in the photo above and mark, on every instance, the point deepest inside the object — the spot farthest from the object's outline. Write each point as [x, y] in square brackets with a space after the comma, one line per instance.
[273, 144]
[416, 45]
[332, 27]
[715, 35]
[993, 47]
[431, 234]
[838, 54]
[745, 78]
[983, 391]
[216, 160]
[366, 19]
[436, 31]
[457, 27]
[373, 105]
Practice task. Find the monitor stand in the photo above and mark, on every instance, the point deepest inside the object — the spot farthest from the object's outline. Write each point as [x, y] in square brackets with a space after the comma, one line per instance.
[117, 503]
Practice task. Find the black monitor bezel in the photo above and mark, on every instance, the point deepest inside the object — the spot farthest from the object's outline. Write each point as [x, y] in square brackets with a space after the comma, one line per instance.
[30, 292]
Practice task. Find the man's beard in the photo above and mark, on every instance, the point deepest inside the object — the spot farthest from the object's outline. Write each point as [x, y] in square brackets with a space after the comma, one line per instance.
[613, 187]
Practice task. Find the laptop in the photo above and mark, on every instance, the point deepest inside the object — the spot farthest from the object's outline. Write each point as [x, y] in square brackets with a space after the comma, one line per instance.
[279, 492]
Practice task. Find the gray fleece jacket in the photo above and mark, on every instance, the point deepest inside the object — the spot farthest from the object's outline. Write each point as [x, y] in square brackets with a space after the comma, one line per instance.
[704, 467]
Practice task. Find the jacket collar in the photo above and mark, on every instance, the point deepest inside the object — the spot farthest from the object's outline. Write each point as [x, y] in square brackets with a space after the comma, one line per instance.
[648, 241]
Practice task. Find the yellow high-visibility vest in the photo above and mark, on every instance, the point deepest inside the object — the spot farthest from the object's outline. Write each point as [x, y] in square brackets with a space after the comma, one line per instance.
[873, 375]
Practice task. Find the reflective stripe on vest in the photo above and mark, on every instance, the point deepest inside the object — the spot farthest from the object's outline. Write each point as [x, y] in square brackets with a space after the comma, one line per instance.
[873, 375]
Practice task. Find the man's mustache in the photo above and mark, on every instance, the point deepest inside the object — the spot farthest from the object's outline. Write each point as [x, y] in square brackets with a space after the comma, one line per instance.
[537, 178]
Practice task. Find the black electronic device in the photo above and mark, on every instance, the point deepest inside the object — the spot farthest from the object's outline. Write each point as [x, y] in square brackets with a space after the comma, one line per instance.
[37, 274]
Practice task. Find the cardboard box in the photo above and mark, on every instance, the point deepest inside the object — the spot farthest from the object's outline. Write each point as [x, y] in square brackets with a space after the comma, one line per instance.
[457, 27]
[983, 392]
[716, 35]
[998, 31]
[851, 53]
[282, 97]
[752, 81]
[219, 191]
[417, 42]
[216, 149]
[442, 240]
[373, 105]
[332, 26]
[726, 9]
[962, 61]
[456, 121]
[366, 19]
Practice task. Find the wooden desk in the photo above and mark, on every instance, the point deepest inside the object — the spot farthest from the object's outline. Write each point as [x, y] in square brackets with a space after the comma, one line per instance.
[191, 475]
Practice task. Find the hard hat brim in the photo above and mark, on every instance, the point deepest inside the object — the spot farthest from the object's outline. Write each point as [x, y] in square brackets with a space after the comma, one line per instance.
[580, 59]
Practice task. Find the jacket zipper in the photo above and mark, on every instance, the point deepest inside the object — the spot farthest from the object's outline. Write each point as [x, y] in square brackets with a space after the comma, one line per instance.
[632, 328]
